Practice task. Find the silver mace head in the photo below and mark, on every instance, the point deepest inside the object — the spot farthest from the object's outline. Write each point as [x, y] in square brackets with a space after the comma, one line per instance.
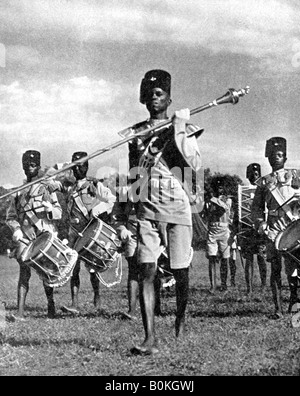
[238, 94]
[231, 96]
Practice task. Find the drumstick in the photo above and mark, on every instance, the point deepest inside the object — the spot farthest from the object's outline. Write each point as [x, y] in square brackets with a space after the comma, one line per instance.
[80, 234]
[88, 224]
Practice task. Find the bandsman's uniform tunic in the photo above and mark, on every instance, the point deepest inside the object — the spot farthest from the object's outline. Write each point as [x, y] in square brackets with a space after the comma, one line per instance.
[273, 190]
[161, 192]
[27, 213]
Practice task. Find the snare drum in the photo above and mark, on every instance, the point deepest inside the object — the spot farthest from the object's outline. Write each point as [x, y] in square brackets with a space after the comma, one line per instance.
[51, 259]
[99, 246]
[289, 239]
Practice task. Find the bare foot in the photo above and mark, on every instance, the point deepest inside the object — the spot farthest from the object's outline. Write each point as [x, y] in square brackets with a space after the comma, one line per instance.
[51, 315]
[180, 328]
[15, 318]
[296, 320]
[278, 315]
[71, 310]
[97, 302]
[146, 348]
[130, 316]
[51, 311]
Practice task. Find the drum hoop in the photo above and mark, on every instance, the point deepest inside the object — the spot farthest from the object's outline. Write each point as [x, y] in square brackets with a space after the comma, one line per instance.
[57, 241]
[278, 238]
[105, 225]
[97, 232]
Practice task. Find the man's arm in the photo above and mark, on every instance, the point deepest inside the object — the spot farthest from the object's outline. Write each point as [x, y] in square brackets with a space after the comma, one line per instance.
[121, 213]
[222, 202]
[12, 219]
[185, 140]
[106, 198]
[56, 210]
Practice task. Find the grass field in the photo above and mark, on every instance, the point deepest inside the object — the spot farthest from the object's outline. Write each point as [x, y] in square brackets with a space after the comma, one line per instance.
[228, 334]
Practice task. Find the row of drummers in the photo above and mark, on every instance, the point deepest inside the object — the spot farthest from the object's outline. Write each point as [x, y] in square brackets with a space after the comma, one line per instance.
[33, 214]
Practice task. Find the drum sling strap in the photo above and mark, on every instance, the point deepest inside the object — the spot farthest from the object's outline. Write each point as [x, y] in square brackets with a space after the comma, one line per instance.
[281, 200]
[201, 227]
[29, 213]
[80, 205]
[78, 200]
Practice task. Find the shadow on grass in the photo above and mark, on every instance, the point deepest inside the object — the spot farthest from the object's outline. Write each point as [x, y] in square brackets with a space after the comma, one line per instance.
[13, 307]
[100, 313]
[40, 313]
[57, 343]
[242, 313]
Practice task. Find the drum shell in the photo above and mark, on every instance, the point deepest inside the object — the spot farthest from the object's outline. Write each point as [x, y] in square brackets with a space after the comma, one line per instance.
[99, 247]
[288, 240]
[50, 259]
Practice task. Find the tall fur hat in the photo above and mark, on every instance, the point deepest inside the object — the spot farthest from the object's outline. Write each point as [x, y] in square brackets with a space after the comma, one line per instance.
[31, 156]
[253, 172]
[275, 143]
[78, 155]
[154, 79]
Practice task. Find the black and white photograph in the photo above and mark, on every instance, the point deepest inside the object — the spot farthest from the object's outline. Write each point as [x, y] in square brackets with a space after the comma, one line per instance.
[149, 190]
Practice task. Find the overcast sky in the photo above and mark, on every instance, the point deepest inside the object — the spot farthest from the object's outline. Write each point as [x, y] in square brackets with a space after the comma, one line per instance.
[70, 72]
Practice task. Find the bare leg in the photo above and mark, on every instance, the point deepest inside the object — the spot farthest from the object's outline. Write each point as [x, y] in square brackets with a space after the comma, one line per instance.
[290, 267]
[262, 266]
[276, 266]
[157, 291]
[212, 273]
[75, 285]
[163, 268]
[147, 303]
[96, 288]
[50, 299]
[249, 272]
[224, 273]
[232, 266]
[132, 285]
[182, 293]
[23, 288]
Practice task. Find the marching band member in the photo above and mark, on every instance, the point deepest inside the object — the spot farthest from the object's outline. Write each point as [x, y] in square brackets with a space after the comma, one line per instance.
[219, 220]
[125, 223]
[88, 198]
[253, 243]
[32, 212]
[163, 206]
[273, 190]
